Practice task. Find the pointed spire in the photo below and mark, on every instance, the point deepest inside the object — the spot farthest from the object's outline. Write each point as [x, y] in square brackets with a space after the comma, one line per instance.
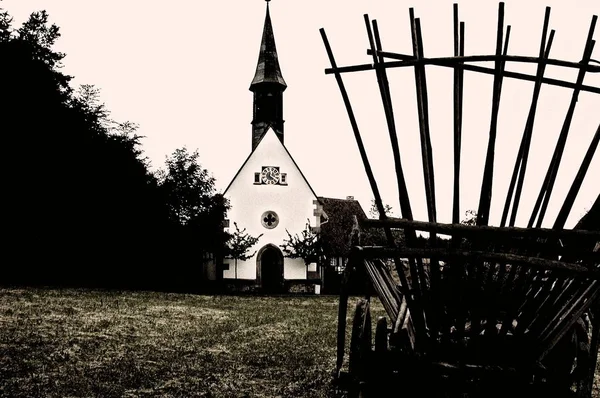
[267, 69]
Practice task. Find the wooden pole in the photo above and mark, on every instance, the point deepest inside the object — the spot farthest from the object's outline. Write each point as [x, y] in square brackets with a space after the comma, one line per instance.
[485, 197]
[541, 204]
[458, 104]
[521, 161]
[422, 108]
[561, 219]
[403, 197]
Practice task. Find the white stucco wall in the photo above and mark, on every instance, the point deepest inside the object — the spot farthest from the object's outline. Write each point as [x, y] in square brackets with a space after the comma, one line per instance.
[293, 203]
[293, 268]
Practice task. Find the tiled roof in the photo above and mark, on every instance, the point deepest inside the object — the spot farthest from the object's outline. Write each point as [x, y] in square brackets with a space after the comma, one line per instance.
[335, 233]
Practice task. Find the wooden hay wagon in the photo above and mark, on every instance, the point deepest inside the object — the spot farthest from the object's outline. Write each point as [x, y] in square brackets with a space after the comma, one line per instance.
[493, 310]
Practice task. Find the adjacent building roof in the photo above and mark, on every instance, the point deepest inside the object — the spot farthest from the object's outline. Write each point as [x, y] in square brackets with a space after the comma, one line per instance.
[591, 220]
[335, 233]
[267, 69]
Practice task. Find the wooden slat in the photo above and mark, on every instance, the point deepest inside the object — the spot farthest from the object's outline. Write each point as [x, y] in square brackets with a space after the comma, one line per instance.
[567, 292]
[549, 306]
[519, 278]
[534, 302]
[571, 314]
[385, 288]
[492, 289]
[566, 300]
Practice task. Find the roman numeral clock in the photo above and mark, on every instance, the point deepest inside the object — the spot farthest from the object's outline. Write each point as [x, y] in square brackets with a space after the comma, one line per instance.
[270, 175]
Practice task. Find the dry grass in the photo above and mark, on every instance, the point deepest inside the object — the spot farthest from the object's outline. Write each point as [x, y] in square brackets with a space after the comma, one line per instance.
[79, 343]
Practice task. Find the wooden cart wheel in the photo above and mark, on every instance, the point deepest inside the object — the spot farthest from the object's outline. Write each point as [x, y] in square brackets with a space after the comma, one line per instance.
[360, 340]
[381, 338]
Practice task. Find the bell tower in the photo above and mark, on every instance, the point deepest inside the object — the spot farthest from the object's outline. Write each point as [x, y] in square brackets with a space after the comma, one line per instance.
[268, 87]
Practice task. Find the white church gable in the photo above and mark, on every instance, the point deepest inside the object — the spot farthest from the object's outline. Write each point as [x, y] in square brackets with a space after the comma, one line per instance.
[268, 203]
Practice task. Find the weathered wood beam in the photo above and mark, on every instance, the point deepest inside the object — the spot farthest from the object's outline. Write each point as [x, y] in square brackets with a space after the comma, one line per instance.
[523, 155]
[485, 197]
[520, 278]
[407, 60]
[534, 262]
[459, 41]
[357, 136]
[426, 151]
[443, 228]
[543, 199]
[576, 308]
[389, 115]
[344, 295]
[457, 62]
[563, 214]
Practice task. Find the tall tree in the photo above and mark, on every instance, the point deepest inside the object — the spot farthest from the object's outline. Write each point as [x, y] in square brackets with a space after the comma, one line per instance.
[193, 203]
[189, 187]
[5, 25]
[78, 191]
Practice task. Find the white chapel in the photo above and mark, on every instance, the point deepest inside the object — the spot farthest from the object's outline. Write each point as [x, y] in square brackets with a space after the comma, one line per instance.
[269, 193]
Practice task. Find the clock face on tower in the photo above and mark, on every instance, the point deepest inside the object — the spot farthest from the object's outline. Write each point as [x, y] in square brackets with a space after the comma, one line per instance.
[270, 175]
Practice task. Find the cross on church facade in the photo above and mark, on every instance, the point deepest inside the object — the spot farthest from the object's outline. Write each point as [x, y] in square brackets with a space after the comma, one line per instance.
[269, 219]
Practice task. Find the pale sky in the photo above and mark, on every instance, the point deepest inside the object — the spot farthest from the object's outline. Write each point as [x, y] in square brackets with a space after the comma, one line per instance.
[182, 69]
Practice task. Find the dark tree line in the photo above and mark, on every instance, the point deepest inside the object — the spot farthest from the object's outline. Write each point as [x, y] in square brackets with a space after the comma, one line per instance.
[80, 204]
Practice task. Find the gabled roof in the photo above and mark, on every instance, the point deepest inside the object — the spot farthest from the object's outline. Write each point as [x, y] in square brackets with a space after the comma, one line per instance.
[267, 68]
[335, 233]
[268, 128]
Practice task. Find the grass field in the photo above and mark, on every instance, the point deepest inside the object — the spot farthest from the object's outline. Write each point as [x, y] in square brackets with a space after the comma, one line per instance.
[78, 343]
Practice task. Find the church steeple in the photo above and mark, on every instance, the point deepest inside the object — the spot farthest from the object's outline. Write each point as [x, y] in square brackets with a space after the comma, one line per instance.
[268, 87]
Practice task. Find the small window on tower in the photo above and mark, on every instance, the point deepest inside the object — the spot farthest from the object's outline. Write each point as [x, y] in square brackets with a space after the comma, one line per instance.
[283, 179]
[257, 178]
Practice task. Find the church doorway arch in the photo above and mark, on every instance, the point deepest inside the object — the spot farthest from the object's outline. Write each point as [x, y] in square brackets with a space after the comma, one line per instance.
[269, 269]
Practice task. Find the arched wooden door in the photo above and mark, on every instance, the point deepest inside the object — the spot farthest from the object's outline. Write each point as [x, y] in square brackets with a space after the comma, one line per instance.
[269, 268]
